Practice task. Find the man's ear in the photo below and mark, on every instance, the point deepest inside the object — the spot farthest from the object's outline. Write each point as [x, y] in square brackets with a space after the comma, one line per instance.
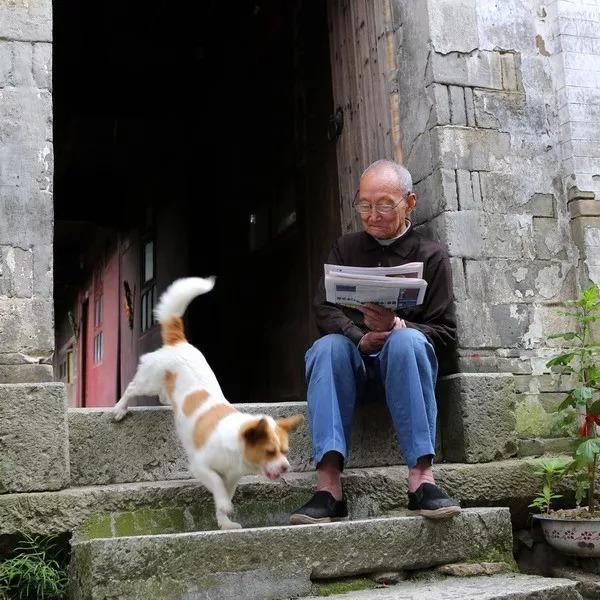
[411, 201]
[256, 432]
[290, 423]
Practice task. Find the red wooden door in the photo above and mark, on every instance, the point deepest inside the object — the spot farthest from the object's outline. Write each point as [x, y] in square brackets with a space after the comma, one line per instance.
[99, 349]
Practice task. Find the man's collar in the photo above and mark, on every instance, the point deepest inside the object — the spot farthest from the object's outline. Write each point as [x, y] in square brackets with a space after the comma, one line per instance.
[404, 246]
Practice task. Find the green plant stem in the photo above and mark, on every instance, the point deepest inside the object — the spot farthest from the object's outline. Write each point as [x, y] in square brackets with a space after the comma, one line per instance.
[592, 478]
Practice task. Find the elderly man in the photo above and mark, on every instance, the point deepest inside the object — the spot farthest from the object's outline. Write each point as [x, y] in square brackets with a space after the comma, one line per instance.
[396, 350]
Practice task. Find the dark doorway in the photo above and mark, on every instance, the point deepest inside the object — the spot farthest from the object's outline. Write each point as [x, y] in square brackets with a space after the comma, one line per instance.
[204, 130]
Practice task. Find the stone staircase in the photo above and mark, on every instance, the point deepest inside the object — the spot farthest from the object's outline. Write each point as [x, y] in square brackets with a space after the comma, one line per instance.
[142, 529]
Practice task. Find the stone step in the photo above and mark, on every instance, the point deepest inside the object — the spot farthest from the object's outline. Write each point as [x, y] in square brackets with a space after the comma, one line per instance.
[280, 562]
[144, 446]
[168, 506]
[497, 587]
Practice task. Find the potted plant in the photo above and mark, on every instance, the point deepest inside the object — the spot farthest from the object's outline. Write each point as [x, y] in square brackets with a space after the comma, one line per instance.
[576, 531]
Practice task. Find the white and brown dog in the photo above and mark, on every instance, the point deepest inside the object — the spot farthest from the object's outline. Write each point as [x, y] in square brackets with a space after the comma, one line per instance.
[222, 443]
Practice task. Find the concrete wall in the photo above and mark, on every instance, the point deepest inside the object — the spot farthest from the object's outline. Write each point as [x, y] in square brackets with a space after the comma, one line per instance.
[500, 112]
[26, 212]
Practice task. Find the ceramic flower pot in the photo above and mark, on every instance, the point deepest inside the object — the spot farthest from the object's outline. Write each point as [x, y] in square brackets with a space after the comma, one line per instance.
[579, 537]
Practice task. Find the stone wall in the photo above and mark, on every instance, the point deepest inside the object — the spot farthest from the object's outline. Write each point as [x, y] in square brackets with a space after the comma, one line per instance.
[33, 417]
[500, 112]
[26, 222]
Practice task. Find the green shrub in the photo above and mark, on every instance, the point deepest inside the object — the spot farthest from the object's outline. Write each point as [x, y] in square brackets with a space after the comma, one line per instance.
[31, 573]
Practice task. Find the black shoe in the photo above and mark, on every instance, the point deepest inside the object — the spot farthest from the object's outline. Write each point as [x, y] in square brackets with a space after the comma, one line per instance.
[321, 508]
[430, 501]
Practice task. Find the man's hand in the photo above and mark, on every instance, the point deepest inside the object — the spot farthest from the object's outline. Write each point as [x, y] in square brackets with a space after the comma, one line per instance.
[378, 318]
[372, 342]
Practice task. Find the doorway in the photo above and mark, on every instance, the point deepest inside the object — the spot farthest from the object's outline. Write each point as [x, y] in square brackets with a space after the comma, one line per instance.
[201, 133]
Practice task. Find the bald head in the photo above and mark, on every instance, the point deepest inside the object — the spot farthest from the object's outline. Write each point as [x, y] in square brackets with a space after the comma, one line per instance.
[400, 174]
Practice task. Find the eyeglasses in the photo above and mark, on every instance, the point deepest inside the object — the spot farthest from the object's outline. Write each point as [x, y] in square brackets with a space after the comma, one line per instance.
[365, 208]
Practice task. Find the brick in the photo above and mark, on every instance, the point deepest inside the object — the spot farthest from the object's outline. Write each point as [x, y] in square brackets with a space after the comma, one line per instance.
[27, 325]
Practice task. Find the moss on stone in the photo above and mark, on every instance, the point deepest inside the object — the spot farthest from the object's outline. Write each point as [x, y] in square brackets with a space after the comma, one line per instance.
[532, 419]
[497, 555]
[97, 526]
[342, 586]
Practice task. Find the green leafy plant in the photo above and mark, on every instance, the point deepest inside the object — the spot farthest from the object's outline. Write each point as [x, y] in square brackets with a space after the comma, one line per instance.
[550, 471]
[31, 574]
[581, 362]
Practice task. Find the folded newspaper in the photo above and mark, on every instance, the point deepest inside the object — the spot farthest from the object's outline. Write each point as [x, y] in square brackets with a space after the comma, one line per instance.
[392, 287]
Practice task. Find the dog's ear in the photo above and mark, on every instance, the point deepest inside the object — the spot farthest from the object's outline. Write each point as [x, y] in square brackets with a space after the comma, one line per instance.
[291, 423]
[256, 432]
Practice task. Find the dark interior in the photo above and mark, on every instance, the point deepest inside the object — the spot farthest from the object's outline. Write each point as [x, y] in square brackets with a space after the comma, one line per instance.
[219, 112]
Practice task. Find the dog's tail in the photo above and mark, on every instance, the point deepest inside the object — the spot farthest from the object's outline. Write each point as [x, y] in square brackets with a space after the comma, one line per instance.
[174, 301]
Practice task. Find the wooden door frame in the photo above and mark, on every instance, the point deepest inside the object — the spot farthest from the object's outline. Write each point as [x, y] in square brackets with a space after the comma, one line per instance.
[363, 68]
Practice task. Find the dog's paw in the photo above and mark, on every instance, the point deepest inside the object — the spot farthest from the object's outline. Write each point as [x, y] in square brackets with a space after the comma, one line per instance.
[230, 525]
[118, 413]
[224, 507]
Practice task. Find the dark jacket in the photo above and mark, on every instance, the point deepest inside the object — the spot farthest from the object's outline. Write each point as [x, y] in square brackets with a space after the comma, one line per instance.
[434, 317]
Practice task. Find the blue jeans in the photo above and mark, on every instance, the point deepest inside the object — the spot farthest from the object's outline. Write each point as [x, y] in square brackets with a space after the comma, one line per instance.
[336, 373]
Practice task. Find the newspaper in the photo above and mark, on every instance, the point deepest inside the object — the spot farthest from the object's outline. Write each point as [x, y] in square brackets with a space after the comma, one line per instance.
[391, 287]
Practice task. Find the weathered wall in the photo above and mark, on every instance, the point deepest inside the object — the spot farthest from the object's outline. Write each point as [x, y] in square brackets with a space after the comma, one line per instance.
[33, 422]
[26, 222]
[500, 103]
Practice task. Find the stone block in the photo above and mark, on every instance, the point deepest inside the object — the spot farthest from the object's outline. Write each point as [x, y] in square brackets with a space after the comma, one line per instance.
[27, 325]
[500, 281]
[33, 437]
[441, 103]
[461, 231]
[28, 21]
[27, 217]
[32, 373]
[144, 446]
[42, 65]
[221, 564]
[458, 111]
[468, 148]
[541, 205]
[470, 107]
[23, 65]
[477, 416]
[16, 268]
[453, 25]
[6, 63]
[419, 158]
[480, 68]
[435, 194]
[464, 185]
[458, 278]
[549, 239]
